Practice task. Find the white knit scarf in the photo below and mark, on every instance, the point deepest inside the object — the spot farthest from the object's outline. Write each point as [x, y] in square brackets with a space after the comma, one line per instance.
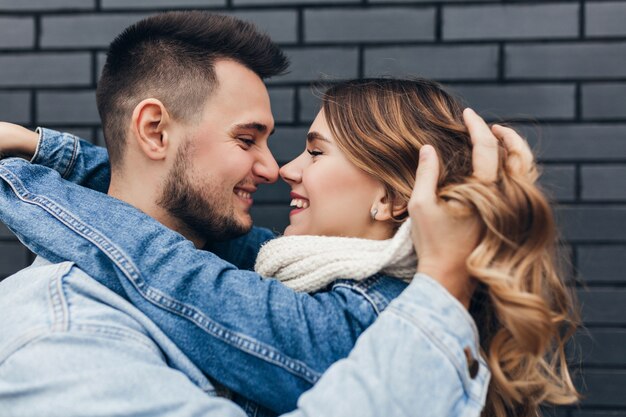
[310, 263]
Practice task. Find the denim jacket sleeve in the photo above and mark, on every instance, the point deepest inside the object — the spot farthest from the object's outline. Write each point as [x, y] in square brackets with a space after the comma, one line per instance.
[75, 159]
[86, 164]
[412, 361]
[420, 357]
[254, 335]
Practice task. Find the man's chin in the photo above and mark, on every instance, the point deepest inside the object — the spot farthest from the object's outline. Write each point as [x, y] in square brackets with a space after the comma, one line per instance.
[245, 222]
[238, 227]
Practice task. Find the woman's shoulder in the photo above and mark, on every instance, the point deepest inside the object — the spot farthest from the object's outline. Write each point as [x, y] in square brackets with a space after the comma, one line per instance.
[378, 290]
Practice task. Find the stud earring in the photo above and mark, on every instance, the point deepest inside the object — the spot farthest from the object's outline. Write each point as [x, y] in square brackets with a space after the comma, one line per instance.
[373, 213]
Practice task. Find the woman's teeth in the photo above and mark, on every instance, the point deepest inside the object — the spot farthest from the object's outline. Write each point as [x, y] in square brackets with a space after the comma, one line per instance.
[297, 202]
[243, 194]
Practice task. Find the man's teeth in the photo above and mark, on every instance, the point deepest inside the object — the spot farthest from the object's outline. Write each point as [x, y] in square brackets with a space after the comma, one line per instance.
[298, 202]
[243, 194]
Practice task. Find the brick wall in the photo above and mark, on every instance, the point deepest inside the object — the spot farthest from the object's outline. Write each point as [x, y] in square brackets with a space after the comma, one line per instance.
[558, 67]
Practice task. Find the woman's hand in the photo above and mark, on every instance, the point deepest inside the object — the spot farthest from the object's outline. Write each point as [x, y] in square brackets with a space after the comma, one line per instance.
[16, 140]
[443, 241]
[444, 234]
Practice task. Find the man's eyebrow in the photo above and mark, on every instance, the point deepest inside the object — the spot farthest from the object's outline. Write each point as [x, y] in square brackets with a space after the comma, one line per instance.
[259, 127]
[311, 136]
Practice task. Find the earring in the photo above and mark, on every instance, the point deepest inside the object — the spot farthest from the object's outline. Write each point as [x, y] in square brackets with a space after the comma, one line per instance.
[373, 213]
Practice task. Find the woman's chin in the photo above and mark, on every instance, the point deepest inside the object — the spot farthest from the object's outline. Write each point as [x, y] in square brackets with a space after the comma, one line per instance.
[293, 230]
[289, 231]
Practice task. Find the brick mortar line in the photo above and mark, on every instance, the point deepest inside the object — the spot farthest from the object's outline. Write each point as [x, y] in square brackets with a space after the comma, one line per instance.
[300, 27]
[363, 5]
[582, 19]
[400, 43]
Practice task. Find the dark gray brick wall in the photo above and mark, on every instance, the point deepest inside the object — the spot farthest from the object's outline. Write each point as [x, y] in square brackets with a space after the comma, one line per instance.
[314, 63]
[602, 263]
[604, 101]
[578, 142]
[371, 25]
[603, 182]
[480, 62]
[566, 60]
[529, 101]
[92, 30]
[162, 4]
[560, 181]
[593, 223]
[603, 347]
[17, 32]
[281, 25]
[545, 21]
[283, 104]
[46, 5]
[74, 107]
[45, 69]
[15, 106]
[555, 68]
[605, 19]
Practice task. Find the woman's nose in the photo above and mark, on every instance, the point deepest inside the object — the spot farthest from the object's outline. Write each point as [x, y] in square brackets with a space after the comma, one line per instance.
[291, 172]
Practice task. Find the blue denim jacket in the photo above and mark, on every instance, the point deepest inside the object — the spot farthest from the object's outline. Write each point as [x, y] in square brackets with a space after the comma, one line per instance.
[264, 333]
[273, 343]
[71, 347]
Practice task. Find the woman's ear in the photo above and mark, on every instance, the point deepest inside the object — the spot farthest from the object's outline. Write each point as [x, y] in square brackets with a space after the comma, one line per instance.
[384, 208]
[150, 123]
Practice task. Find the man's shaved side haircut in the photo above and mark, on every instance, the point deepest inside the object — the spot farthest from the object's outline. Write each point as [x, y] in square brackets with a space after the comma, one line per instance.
[171, 57]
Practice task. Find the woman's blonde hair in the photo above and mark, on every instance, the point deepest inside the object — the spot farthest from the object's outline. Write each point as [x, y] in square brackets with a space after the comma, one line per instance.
[524, 311]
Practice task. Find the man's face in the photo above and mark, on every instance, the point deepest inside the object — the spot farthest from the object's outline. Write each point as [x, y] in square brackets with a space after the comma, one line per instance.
[223, 158]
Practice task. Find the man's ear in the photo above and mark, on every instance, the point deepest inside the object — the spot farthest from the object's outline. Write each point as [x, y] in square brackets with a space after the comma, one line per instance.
[150, 124]
[385, 208]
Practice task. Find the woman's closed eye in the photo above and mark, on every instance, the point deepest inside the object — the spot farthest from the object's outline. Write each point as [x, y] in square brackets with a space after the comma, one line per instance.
[315, 153]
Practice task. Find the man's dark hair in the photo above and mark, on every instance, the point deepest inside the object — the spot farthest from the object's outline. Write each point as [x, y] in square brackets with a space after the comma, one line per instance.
[171, 57]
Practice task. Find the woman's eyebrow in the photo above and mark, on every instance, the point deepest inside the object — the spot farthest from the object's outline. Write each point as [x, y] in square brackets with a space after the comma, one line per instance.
[311, 136]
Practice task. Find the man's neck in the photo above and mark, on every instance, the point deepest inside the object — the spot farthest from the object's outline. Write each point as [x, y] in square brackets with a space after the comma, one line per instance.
[146, 202]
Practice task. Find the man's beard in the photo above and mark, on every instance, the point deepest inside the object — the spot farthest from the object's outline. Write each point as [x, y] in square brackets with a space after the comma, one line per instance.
[200, 205]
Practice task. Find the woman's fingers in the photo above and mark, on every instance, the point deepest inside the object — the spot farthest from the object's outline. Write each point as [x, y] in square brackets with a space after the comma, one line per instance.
[520, 158]
[425, 189]
[484, 147]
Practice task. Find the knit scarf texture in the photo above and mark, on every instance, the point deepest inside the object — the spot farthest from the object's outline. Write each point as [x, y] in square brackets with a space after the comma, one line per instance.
[311, 263]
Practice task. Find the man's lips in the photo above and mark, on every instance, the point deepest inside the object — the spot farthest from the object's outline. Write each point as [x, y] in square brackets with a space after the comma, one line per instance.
[244, 194]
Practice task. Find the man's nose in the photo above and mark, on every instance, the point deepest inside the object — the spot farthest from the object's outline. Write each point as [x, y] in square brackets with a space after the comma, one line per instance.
[266, 167]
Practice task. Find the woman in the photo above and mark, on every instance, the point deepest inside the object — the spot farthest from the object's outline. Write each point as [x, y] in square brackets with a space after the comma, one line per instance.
[354, 180]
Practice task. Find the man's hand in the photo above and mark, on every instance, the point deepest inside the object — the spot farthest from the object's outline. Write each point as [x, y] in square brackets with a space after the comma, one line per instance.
[445, 233]
[16, 140]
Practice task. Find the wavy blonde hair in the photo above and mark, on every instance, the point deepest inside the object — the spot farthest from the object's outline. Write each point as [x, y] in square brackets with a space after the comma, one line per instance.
[523, 310]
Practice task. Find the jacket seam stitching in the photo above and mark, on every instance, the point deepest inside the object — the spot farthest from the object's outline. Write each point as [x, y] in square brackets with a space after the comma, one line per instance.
[59, 303]
[73, 156]
[363, 293]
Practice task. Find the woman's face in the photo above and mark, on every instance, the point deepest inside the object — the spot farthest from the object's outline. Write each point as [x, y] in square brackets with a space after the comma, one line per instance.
[330, 196]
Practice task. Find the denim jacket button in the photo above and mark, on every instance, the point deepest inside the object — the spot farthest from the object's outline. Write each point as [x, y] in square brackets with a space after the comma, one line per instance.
[472, 364]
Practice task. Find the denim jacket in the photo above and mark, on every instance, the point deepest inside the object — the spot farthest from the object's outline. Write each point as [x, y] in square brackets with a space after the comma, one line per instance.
[71, 347]
[273, 343]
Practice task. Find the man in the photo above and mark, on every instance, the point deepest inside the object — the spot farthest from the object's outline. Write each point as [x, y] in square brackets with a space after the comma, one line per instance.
[186, 118]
